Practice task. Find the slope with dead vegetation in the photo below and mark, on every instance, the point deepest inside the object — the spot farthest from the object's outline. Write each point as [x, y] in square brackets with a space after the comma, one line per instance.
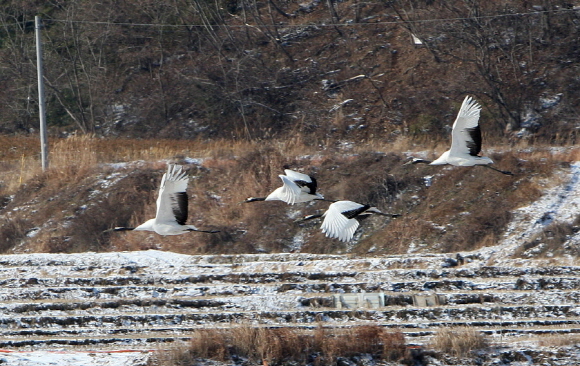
[93, 185]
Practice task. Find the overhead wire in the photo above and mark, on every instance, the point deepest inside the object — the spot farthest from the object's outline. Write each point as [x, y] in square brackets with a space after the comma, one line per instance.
[332, 24]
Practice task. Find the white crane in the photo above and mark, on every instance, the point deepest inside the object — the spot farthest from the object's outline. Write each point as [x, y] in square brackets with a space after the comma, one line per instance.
[465, 141]
[296, 188]
[171, 206]
[342, 218]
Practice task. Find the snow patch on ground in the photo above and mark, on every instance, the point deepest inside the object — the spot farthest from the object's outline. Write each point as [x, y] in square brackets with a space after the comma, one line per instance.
[52, 358]
[558, 204]
[194, 161]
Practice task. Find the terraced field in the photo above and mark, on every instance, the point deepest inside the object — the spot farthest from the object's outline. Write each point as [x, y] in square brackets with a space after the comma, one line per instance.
[138, 300]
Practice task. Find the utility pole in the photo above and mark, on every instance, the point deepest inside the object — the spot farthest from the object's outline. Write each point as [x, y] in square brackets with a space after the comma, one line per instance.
[41, 105]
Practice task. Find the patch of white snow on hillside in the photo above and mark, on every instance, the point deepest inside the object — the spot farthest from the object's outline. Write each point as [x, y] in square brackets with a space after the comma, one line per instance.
[558, 204]
[118, 166]
[194, 161]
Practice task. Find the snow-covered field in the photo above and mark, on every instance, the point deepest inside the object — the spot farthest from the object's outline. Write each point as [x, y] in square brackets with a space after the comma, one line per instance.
[65, 358]
[81, 309]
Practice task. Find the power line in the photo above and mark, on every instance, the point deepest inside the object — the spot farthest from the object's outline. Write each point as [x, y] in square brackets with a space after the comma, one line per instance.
[347, 24]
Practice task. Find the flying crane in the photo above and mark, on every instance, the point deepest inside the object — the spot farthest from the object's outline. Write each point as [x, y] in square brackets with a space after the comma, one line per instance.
[296, 188]
[341, 219]
[465, 141]
[171, 206]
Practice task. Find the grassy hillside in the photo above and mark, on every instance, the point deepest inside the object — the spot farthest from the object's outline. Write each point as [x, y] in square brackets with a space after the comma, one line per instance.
[94, 184]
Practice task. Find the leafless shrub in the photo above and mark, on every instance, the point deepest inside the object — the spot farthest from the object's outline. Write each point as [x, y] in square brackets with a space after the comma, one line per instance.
[394, 347]
[209, 343]
[352, 341]
[549, 240]
[11, 231]
[374, 340]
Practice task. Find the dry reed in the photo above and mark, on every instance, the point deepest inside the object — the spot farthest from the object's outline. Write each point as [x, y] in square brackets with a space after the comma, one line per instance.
[274, 346]
[459, 341]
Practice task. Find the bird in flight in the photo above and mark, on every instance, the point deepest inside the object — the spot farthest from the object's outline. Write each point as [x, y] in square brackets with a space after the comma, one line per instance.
[342, 218]
[296, 188]
[171, 206]
[465, 141]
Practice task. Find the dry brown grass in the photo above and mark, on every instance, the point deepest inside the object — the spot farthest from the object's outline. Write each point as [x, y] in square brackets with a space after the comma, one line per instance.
[11, 231]
[558, 340]
[459, 342]
[230, 171]
[73, 156]
[76, 153]
[274, 346]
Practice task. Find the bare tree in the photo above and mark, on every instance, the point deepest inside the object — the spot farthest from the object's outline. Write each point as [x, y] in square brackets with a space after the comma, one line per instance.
[17, 72]
[501, 44]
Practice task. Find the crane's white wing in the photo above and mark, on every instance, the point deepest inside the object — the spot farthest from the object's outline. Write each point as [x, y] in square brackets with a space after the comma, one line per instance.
[289, 192]
[466, 135]
[336, 224]
[172, 199]
[304, 181]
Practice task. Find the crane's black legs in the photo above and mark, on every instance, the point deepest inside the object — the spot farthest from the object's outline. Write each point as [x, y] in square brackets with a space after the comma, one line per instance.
[308, 217]
[498, 170]
[204, 231]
